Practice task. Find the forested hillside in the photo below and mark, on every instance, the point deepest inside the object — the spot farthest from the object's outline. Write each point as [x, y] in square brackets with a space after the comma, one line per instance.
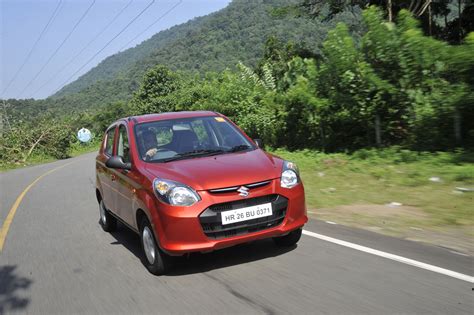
[211, 43]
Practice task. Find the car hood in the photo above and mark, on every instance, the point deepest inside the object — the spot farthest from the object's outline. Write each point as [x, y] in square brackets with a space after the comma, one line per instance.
[220, 171]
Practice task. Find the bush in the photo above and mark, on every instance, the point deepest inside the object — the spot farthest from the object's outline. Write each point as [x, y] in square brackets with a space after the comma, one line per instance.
[45, 136]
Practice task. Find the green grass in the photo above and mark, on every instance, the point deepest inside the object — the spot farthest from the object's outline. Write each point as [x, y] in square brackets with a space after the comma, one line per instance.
[81, 148]
[379, 177]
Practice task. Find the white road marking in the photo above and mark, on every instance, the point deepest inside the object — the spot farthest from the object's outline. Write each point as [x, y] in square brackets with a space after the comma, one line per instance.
[458, 253]
[401, 259]
[330, 222]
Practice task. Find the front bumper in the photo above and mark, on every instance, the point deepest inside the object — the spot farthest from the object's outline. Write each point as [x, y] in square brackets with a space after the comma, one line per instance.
[181, 230]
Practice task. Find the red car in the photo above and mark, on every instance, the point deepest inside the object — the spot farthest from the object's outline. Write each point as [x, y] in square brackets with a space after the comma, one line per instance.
[194, 182]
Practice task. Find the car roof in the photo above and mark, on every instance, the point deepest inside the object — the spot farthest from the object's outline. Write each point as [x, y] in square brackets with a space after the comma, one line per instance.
[171, 115]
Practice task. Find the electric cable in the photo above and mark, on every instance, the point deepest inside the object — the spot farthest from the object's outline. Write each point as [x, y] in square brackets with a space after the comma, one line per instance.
[59, 47]
[51, 19]
[105, 46]
[84, 48]
[151, 25]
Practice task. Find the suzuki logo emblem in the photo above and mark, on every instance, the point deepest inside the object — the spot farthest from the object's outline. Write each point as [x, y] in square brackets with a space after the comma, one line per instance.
[244, 191]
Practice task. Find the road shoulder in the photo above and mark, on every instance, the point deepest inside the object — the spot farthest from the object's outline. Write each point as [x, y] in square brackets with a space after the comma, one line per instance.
[429, 254]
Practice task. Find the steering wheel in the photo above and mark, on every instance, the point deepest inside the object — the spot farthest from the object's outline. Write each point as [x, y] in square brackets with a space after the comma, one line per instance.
[148, 158]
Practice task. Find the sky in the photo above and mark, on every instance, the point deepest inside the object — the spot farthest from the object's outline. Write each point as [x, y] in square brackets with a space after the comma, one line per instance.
[61, 54]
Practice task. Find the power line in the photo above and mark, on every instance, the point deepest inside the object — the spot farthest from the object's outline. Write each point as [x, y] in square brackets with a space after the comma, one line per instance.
[59, 47]
[108, 43]
[52, 17]
[151, 25]
[84, 48]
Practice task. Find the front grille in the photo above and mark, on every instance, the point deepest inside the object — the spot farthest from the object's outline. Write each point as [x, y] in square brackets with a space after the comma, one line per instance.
[212, 224]
[234, 188]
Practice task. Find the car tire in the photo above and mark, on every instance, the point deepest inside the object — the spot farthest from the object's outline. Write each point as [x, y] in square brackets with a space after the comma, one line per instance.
[106, 220]
[290, 239]
[155, 260]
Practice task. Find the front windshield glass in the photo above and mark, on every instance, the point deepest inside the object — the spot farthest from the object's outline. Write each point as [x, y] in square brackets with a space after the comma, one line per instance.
[169, 140]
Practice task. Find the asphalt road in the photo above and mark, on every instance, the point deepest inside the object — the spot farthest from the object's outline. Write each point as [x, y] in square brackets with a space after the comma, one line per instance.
[57, 260]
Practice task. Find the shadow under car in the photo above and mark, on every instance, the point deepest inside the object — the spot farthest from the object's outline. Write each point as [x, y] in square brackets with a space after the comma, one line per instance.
[202, 262]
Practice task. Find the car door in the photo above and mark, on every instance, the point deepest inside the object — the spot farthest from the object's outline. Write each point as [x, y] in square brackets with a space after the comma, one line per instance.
[106, 175]
[126, 180]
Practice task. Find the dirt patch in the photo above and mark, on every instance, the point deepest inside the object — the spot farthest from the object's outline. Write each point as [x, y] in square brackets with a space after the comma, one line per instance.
[459, 239]
[334, 162]
[406, 222]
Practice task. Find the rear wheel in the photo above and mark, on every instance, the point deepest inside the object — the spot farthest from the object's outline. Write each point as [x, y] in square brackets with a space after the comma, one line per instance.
[155, 260]
[290, 239]
[107, 221]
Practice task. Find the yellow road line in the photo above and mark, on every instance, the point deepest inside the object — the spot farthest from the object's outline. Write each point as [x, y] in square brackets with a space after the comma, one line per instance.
[11, 214]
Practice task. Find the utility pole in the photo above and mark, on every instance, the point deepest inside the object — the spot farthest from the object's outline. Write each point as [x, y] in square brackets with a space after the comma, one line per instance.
[457, 127]
[459, 21]
[429, 19]
[389, 9]
[378, 133]
[1, 124]
[4, 116]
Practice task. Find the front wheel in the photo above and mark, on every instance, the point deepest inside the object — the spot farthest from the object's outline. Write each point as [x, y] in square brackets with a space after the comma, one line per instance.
[290, 239]
[107, 221]
[155, 260]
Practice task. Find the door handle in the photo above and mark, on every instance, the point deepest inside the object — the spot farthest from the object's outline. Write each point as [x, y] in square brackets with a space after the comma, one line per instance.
[113, 177]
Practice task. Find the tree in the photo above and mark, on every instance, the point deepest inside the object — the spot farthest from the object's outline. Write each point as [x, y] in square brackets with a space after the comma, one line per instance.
[427, 11]
[157, 84]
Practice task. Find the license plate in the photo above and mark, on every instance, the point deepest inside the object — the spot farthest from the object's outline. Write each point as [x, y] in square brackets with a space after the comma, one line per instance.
[248, 213]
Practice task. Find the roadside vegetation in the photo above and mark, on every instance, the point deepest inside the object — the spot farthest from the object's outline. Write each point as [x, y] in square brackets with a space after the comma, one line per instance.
[75, 148]
[426, 196]
[380, 117]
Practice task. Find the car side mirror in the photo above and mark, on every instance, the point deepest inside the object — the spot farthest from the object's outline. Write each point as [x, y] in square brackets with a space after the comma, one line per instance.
[116, 161]
[259, 143]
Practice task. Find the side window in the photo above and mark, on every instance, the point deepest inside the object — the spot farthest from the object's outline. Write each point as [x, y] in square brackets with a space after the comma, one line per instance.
[123, 148]
[109, 145]
[164, 135]
[201, 132]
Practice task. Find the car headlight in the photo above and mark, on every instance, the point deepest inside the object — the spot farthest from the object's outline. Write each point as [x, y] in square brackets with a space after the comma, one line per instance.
[174, 193]
[289, 175]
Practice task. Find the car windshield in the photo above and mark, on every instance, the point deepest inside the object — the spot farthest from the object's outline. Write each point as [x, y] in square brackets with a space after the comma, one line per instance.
[177, 139]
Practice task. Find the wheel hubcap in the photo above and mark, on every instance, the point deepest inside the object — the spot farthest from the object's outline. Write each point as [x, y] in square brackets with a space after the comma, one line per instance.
[103, 216]
[148, 245]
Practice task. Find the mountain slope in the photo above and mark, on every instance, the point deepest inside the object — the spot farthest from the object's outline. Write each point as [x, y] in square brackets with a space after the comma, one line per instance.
[210, 43]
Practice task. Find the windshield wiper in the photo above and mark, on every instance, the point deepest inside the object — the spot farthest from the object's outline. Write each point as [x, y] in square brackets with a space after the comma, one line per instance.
[240, 147]
[191, 154]
[201, 153]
